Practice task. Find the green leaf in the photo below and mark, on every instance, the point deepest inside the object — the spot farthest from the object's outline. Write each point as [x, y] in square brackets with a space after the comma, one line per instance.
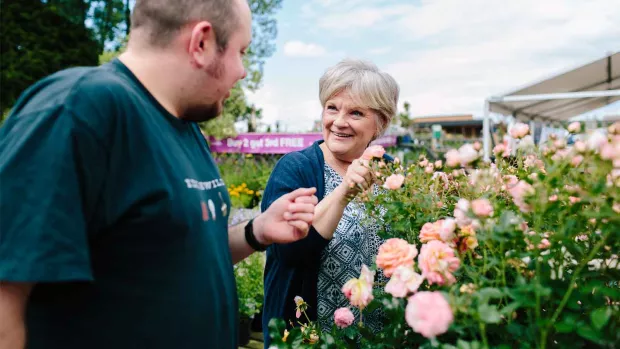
[510, 308]
[489, 293]
[276, 328]
[489, 314]
[588, 333]
[600, 317]
[461, 344]
[564, 327]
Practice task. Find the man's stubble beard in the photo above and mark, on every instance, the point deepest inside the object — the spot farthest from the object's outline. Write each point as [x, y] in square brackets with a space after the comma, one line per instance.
[205, 112]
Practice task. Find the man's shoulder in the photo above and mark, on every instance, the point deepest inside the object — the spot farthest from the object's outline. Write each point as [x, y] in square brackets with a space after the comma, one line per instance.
[72, 87]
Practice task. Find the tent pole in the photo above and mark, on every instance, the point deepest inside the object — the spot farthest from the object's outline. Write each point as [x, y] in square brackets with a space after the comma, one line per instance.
[486, 132]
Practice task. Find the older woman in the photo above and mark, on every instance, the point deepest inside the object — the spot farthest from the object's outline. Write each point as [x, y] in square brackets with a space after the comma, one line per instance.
[359, 101]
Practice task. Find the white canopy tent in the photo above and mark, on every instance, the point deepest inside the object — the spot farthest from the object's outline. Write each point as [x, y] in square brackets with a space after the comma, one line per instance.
[559, 98]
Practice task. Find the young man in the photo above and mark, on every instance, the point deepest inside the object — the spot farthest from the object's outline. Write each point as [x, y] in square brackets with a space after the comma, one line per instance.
[113, 216]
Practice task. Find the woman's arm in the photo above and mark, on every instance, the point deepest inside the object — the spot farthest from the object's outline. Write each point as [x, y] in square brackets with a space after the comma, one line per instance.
[329, 211]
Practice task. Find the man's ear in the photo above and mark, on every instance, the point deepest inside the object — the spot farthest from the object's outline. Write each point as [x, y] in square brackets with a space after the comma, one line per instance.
[202, 44]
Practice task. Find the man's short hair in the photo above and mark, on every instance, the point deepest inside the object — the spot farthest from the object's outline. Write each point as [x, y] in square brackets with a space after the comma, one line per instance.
[162, 19]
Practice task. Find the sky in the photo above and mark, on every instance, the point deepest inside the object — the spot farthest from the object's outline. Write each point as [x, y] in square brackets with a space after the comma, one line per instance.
[446, 55]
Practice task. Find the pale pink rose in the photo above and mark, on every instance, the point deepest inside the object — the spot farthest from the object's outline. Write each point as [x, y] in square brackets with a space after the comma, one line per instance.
[519, 192]
[616, 207]
[429, 169]
[511, 181]
[403, 281]
[428, 313]
[595, 140]
[394, 181]
[438, 164]
[610, 151]
[544, 244]
[482, 208]
[580, 147]
[424, 162]
[468, 154]
[477, 146]
[446, 229]
[573, 199]
[553, 198]
[394, 253]
[519, 130]
[560, 143]
[343, 317]
[460, 213]
[574, 127]
[499, 149]
[374, 151]
[429, 232]
[359, 291]
[576, 160]
[437, 262]
[453, 158]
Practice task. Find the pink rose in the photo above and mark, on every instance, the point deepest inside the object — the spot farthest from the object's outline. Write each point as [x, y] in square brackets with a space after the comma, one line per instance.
[446, 229]
[519, 130]
[424, 162]
[429, 169]
[428, 313]
[468, 154]
[394, 253]
[359, 291]
[482, 208]
[437, 262]
[544, 244]
[477, 146]
[519, 192]
[403, 281]
[394, 181]
[576, 160]
[343, 317]
[374, 151]
[453, 158]
[438, 164]
[460, 213]
[580, 146]
[553, 198]
[574, 127]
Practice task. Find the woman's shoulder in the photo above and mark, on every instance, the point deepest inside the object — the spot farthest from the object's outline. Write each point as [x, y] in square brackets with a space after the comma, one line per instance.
[305, 159]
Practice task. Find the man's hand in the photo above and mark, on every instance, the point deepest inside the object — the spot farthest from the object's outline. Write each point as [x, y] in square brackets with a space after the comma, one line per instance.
[288, 219]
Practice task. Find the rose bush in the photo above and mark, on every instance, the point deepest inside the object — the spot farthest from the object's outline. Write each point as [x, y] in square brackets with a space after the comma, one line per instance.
[519, 253]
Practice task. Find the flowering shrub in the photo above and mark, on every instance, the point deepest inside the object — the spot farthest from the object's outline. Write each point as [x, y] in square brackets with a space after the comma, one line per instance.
[521, 253]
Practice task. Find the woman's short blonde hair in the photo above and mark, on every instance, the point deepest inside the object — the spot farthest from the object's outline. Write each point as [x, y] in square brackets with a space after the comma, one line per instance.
[368, 86]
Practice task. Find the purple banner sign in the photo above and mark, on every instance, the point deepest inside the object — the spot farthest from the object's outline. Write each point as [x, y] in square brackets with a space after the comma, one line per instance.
[275, 143]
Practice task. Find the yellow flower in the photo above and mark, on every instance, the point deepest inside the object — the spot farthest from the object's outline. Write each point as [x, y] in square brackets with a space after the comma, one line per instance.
[250, 192]
[285, 335]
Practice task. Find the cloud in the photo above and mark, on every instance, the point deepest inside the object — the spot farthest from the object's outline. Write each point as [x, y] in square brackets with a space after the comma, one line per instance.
[301, 49]
[379, 50]
[479, 48]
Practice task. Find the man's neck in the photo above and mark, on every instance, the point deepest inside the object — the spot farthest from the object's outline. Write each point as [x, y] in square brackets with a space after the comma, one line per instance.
[157, 74]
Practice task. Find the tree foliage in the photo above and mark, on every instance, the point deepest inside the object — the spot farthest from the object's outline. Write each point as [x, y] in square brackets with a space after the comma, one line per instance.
[35, 41]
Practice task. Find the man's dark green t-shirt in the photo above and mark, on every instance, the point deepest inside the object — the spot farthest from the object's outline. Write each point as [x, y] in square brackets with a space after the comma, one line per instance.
[116, 210]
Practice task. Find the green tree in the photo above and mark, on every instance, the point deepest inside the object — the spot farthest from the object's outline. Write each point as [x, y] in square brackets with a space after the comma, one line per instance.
[236, 108]
[36, 41]
[404, 117]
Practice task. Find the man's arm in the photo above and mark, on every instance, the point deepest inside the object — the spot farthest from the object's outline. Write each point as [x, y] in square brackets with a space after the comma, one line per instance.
[13, 298]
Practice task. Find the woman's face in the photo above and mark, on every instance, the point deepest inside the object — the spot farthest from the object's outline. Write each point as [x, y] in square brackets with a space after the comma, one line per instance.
[347, 128]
